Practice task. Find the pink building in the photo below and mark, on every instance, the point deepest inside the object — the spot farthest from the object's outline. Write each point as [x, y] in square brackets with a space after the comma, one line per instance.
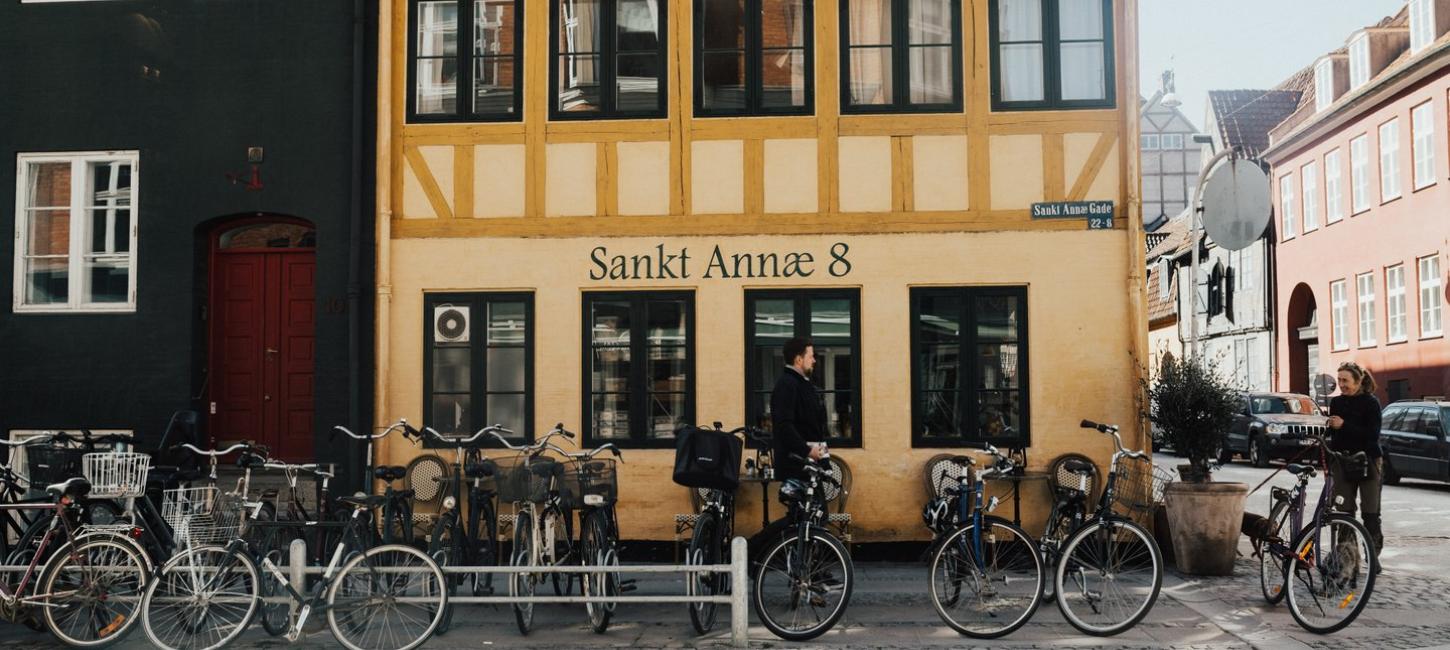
[1361, 194]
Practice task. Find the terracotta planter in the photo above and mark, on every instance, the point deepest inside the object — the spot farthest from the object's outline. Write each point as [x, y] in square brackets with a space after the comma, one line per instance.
[1204, 520]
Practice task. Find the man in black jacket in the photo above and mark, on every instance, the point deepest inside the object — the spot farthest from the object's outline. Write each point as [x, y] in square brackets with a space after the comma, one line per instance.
[797, 414]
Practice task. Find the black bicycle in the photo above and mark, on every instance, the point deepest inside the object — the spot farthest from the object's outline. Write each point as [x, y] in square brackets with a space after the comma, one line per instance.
[466, 533]
[595, 483]
[804, 578]
[710, 543]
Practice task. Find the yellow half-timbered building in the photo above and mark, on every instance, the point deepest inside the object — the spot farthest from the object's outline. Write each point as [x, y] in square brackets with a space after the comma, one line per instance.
[612, 213]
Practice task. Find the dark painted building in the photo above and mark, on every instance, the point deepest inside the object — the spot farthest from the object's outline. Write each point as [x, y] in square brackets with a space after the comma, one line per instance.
[189, 183]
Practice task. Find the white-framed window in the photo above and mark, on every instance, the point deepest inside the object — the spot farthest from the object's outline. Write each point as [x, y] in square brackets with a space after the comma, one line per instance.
[1323, 84]
[1365, 285]
[1358, 60]
[1310, 174]
[1339, 302]
[1359, 174]
[75, 223]
[1333, 190]
[1422, 24]
[1150, 142]
[1432, 297]
[1172, 141]
[1286, 203]
[1395, 303]
[1390, 160]
[1422, 143]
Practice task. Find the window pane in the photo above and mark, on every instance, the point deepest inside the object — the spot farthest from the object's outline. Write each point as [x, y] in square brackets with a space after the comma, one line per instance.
[1022, 73]
[783, 23]
[493, 27]
[999, 414]
[1080, 19]
[940, 319]
[505, 369]
[506, 323]
[49, 185]
[638, 24]
[723, 76]
[940, 367]
[871, 76]
[830, 320]
[667, 370]
[452, 413]
[774, 320]
[49, 232]
[840, 421]
[507, 410]
[109, 279]
[1082, 71]
[451, 373]
[667, 412]
[1019, 20]
[611, 415]
[579, 83]
[611, 323]
[939, 414]
[123, 231]
[493, 85]
[997, 318]
[783, 78]
[771, 361]
[437, 29]
[929, 21]
[437, 86]
[579, 30]
[931, 75]
[722, 24]
[637, 82]
[610, 370]
[997, 366]
[870, 22]
[666, 322]
[99, 239]
[47, 280]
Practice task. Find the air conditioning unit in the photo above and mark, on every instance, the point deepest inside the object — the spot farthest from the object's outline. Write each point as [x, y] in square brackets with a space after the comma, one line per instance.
[450, 324]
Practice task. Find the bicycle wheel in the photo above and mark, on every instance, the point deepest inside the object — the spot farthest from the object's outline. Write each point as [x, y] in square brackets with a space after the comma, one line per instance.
[1108, 576]
[563, 549]
[705, 545]
[1000, 573]
[390, 598]
[103, 580]
[28, 545]
[1271, 564]
[598, 549]
[522, 584]
[1331, 574]
[483, 533]
[802, 586]
[276, 616]
[446, 548]
[202, 599]
[397, 522]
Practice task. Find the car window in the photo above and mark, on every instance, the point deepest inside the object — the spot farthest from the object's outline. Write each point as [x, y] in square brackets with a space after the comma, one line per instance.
[1274, 405]
[1411, 423]
[1430, 422]
[1392, 418]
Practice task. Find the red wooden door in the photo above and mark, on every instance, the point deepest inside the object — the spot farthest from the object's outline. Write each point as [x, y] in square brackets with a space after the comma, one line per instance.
[263, 330]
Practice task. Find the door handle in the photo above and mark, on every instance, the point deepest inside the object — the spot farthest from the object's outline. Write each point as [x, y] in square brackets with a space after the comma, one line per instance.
[271, 351]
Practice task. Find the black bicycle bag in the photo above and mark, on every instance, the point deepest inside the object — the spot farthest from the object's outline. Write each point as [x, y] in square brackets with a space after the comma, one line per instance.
[705, 458]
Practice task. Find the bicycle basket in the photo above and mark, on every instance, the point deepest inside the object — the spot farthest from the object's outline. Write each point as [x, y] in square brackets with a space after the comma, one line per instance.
[201, 515]
[1140, 486]
[48, 464]
[115, 475]
[522, 478]
[596, 477]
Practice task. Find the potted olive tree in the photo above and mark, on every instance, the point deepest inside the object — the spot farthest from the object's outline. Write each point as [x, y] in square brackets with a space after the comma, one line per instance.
[1193, 406]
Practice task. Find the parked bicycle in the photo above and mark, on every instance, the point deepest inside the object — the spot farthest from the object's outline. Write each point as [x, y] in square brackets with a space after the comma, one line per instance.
[1328, 566]
[710, 542]
[273, 537]
[803, 579]
[597, 482]
[531, 482]
[466, 533]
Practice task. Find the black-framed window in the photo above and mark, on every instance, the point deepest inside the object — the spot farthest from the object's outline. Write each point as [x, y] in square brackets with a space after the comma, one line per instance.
[639, 366]
[1052, 54]
[831, 318]
[465, 61]
[969, 366]
[608, 59]
[901, 56]
[478, 362]
[754, 57]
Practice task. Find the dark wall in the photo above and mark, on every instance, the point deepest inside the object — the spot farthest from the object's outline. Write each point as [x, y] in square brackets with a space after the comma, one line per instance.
[190, 84]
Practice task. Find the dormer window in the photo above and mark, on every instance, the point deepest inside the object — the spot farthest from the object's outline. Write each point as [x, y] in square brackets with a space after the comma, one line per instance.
[1323, 84]
[1359, 60]
[1422, 24]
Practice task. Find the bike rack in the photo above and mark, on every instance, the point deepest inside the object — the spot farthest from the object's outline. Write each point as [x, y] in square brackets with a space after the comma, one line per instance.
[298, 569]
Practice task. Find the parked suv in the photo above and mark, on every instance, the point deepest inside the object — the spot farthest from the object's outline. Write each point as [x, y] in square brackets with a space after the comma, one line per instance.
[1412, 435]
[1272, 425]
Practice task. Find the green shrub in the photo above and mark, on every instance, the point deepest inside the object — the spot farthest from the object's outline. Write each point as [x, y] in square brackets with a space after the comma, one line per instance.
[1193, 406]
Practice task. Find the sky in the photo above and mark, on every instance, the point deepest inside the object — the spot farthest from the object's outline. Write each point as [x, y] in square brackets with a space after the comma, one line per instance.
[1228, 44]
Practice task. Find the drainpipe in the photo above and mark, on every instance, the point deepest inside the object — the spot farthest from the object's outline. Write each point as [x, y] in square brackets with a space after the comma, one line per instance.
[356, 418]
[384, 223]
[1131, 183]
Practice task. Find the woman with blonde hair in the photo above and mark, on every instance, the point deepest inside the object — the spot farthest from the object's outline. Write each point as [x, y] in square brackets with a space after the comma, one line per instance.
[1354, 418]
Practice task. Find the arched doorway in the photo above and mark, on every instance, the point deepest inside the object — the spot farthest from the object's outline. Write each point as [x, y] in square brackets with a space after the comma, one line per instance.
[1302, 330]
[262, 325]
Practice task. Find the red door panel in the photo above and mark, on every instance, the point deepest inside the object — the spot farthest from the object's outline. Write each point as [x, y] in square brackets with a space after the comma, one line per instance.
[295, 358]
[237, 381]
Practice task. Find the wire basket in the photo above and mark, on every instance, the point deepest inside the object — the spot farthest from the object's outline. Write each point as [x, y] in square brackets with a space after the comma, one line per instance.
[595, 477]
[49, 464]
[201, 515]
[115, 475]
[523, 478]
[1140, 486]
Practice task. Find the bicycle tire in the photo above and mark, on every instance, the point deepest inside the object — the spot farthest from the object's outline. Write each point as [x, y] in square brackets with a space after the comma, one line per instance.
[184, 573]
[28, 545]
[522, 584]
[1067, 562]
[705, 547]
[780, 549]
[1364, 565]
[483, 533]
[123, 566]
[1272, 576]
[596, 548]
[957, 549]
[431, 597]
[445, 548]
[563, 582]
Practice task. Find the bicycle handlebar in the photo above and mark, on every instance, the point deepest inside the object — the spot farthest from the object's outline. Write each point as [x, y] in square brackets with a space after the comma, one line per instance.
[820, 472]
[460, 440]
[1112, 430]
[314, 468]
[402, 425]
[587, 455]
[40, 439]
[241, 446]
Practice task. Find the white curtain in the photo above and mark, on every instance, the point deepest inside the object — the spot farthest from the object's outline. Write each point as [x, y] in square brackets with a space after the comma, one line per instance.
[1082, 65]
[1021, 75]
[871, 81]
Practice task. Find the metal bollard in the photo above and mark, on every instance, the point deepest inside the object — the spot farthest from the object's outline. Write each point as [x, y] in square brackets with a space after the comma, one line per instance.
[739, 587]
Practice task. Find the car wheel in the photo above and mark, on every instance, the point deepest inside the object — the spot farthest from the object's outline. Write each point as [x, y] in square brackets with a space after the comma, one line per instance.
[1388, 473]
[1225, 454]
[1258, 454]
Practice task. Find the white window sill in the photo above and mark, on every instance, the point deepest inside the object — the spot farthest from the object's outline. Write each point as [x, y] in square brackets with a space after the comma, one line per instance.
[1344, 348]
[1432, 335]
[84, 309]
[1367, 345]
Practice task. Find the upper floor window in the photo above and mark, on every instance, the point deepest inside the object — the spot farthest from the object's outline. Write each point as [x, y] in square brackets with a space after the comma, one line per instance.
[901, 56]
[753, 57]
[1172, 141]
[1339, 302]
[1390, 160]
[1432, 297]
[1052, 54]
[1150, 142]
[477, 80]
[1323, 84]
[1422, 24]
[1333, 193]
[1286, 204]
[75, 225]
[608, 59]
[1395, 320]
[1359, 60]
[1359, 174]
[1310, 176]
[1422, 132]
[1365, 284]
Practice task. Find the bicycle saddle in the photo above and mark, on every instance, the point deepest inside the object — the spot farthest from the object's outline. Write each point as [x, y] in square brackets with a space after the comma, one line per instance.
[74, 488]
[363, 500]
[390, 473]
[1300, 470]
[481, 469]
[1079, 466]
[792, 491]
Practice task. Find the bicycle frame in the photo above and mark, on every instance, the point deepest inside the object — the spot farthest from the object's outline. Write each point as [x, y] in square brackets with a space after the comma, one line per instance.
[12, 596]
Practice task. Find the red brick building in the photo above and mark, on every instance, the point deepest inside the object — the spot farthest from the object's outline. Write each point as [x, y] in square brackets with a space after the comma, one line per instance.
[1361, 195]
